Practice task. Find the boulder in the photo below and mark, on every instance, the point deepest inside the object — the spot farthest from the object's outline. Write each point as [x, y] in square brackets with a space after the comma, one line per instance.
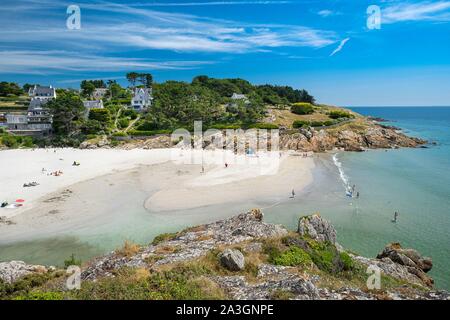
[232, 259]
[14, 270]
[406, 257]
[317, 228]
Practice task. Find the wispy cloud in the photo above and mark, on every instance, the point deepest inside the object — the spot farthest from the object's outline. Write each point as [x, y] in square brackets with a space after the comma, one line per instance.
[50, 62]
[208, 3]
[152, 29]
[421, 11]
[340, 47]
[326, 13]
[110, 28]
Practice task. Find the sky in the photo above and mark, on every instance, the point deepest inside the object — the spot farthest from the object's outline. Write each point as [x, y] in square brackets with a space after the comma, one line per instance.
[335, 49]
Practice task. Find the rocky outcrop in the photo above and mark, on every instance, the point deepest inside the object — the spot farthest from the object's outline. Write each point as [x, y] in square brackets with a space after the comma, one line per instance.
[14, 270]
[244, 243]
[370, 136]
[317, 228]
[410, 259]
[192, 243]
[232, 259]
[100, 142]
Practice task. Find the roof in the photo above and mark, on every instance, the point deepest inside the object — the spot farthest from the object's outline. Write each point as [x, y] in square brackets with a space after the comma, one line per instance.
[42, 91]
[143, 93]
[93, 104]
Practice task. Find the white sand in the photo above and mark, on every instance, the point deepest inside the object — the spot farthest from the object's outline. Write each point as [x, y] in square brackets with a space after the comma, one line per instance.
[23, 166]
[109, 183]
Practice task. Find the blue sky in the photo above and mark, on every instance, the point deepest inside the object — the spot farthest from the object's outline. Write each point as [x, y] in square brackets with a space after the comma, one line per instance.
[322, 46]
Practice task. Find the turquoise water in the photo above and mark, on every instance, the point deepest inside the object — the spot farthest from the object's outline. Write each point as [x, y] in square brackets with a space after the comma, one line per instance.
[414, 182]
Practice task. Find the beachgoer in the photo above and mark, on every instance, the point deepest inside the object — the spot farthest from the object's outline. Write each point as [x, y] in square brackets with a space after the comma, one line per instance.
[226, 165]
[395, 216]
[293, 193]
[353, 188]
[357, 194]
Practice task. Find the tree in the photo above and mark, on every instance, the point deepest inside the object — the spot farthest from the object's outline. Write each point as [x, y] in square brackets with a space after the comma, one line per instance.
[10, 88]
[87, 88]
[26, 87]
[68, 114]
[146, 79]
[101, 115]
[132, 78]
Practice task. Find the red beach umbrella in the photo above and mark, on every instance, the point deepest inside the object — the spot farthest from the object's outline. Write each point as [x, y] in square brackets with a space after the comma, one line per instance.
[20, 200]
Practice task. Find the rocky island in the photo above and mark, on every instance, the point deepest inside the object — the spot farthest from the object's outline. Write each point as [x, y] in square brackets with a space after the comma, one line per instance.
[237, 258]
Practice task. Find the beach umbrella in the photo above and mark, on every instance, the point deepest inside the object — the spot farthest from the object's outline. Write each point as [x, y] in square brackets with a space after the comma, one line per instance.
[20, 200]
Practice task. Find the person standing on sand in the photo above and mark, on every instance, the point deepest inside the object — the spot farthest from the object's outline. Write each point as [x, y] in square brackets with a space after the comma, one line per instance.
[293, 193]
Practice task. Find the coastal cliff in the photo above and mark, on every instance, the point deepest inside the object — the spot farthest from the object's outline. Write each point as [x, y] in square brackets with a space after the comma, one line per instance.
[238, 258]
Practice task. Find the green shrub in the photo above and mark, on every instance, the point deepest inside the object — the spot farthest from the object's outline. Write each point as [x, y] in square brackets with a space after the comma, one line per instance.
[338, 114]
[221, 126]
[267, 126]
[147, 126]
[347, 261]
[37, 295]
[132, 114]
[317, 123]
[123, 123]
[10, 141]
[138, 284]
[119, 134]
[294, 256]
[101, 115]
[72, 261]
[164, 237]
[302, 108]
[148, 133]
[24, 285]
[300, 123]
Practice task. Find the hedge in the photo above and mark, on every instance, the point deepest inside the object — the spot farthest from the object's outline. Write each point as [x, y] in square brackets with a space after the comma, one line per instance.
[337, 114]
[267, 126]
[148, 133]
[302, 108]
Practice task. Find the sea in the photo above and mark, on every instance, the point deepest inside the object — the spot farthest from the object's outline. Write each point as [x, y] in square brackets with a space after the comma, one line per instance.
[413, 182]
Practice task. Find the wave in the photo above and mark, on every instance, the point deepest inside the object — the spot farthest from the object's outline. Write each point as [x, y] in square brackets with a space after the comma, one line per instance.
[344, 177]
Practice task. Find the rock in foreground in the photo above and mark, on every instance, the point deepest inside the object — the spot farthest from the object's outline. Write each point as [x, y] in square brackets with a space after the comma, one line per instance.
[245, 258]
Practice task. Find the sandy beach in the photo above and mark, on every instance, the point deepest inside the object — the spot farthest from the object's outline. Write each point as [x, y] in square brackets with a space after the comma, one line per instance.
[113, 190]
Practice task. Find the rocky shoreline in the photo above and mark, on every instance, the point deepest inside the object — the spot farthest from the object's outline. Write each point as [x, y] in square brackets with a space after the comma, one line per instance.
[357, 136]
[245, 258]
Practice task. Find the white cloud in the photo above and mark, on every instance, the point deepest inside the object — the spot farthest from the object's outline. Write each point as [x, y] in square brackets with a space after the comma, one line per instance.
[48, 62]
[421, 11]
[325, 13]
[207, 3]
[151, 29]
[340, 47]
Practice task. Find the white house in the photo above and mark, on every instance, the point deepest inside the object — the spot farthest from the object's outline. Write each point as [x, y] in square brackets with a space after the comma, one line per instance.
[37, 120]
[142, 99]
[92, 104]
